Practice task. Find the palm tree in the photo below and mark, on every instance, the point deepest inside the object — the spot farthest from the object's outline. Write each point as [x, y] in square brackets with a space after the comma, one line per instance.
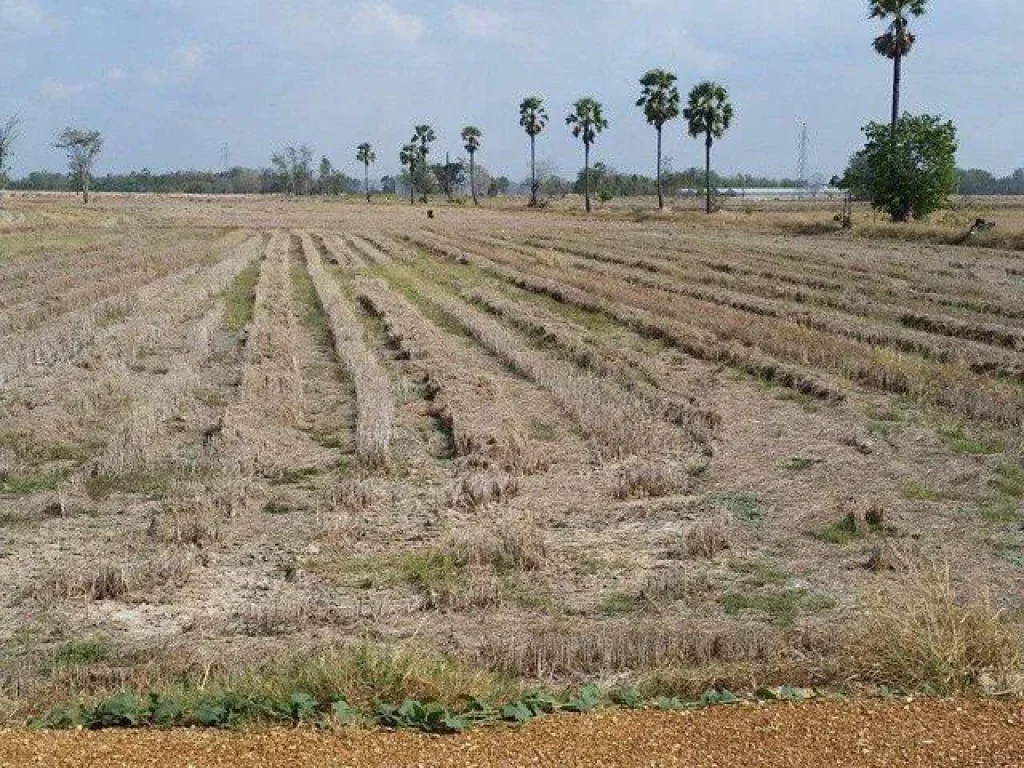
[471, 138]
[366, 155]
[423, 136]
[408, 157]
[660, 102]
[897, 40]
[709, 114]
[533, 118]
[587, 121]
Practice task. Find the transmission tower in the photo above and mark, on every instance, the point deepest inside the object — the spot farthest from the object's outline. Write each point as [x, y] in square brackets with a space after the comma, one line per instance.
[225, 158]
[801, 159]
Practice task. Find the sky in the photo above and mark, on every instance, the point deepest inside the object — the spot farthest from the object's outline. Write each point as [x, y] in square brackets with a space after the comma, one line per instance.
[170, 82]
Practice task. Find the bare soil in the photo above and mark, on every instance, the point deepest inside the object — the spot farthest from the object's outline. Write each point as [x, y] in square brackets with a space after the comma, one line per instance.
[860, 735]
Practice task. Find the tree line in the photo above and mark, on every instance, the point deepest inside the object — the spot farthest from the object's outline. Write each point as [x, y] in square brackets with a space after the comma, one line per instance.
[906, 168]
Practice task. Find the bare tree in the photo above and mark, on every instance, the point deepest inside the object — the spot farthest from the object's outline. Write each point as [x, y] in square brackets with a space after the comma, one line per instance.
[82, 147]
[10, 132]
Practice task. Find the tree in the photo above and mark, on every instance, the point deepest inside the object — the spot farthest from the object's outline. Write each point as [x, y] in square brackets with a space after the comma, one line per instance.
[709, 114]
[499, 186]
[366, 155]
[471, 140]
[450, 176]
[326, 177]
[408, 157]
[908, 170]
[423, 136]
[10, 132]
[660, 102]
[896, 42]
[82, 148]
[533, 118]
[587, 121]
[294, 165]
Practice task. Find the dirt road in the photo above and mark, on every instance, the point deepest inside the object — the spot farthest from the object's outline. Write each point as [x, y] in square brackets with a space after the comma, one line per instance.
[875, 734]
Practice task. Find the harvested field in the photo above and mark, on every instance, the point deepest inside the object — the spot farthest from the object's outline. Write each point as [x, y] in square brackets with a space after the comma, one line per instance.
[666, 454]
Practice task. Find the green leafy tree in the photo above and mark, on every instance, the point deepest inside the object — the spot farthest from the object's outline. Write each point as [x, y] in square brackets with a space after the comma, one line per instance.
[586, 121]
[366, 155]
[82, 147]
[408, 156]
[471, 136]
[709, 114]
[897, 41]
[450, 176]
[908, 170]
[660, 102]
[533, 118]
[423, 136]
[10, 132]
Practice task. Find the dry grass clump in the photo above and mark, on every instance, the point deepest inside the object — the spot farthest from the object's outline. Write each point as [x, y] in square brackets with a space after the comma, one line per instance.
[651, 479]
[374, 398]
[504, 543]
[602, 649]
[342, 508]
[481, 488]
[706, 538]
[108, 579]
[286, 616]
[924, 634]
[191, 515]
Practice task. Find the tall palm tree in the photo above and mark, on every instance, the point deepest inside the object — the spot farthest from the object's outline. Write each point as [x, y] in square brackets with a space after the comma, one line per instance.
[471, 139]
[366, 155]
[423, 136]
[587, 121]
[708, 114]
[897, 40]
[408, 156]
[533, 118]
[660, 102]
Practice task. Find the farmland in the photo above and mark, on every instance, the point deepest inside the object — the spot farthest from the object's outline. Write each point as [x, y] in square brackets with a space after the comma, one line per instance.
[557, 449]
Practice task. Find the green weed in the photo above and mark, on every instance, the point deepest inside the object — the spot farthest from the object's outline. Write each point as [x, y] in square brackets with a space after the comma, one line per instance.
[240, 297]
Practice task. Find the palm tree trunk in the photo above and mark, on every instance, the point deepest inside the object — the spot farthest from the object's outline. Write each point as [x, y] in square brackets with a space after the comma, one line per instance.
[897, 76]
[586, 174]
[661, 197]
[707, 172]
[472, 178]
[366, 180]
[412, 183]
[533, 170]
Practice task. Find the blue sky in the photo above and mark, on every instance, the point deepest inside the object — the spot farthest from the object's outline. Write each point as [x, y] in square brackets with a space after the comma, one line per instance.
[168, 82]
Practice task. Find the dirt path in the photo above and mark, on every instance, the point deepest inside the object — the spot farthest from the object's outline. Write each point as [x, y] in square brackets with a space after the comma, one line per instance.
[870, 734]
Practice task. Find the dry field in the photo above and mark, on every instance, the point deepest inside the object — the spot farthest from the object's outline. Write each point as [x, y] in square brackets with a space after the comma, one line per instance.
[243, 434]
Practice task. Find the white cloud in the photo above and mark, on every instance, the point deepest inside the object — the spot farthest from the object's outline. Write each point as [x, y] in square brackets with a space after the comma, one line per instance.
[379, 17]
[26, 16]
[62, 90]
[479, 23]
[182, 63]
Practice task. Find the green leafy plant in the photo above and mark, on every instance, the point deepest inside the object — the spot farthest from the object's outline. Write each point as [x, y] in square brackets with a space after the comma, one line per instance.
[907, 170]
[429, 717]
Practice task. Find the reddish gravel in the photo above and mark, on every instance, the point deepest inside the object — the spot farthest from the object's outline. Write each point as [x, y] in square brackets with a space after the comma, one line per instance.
[921, 733]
